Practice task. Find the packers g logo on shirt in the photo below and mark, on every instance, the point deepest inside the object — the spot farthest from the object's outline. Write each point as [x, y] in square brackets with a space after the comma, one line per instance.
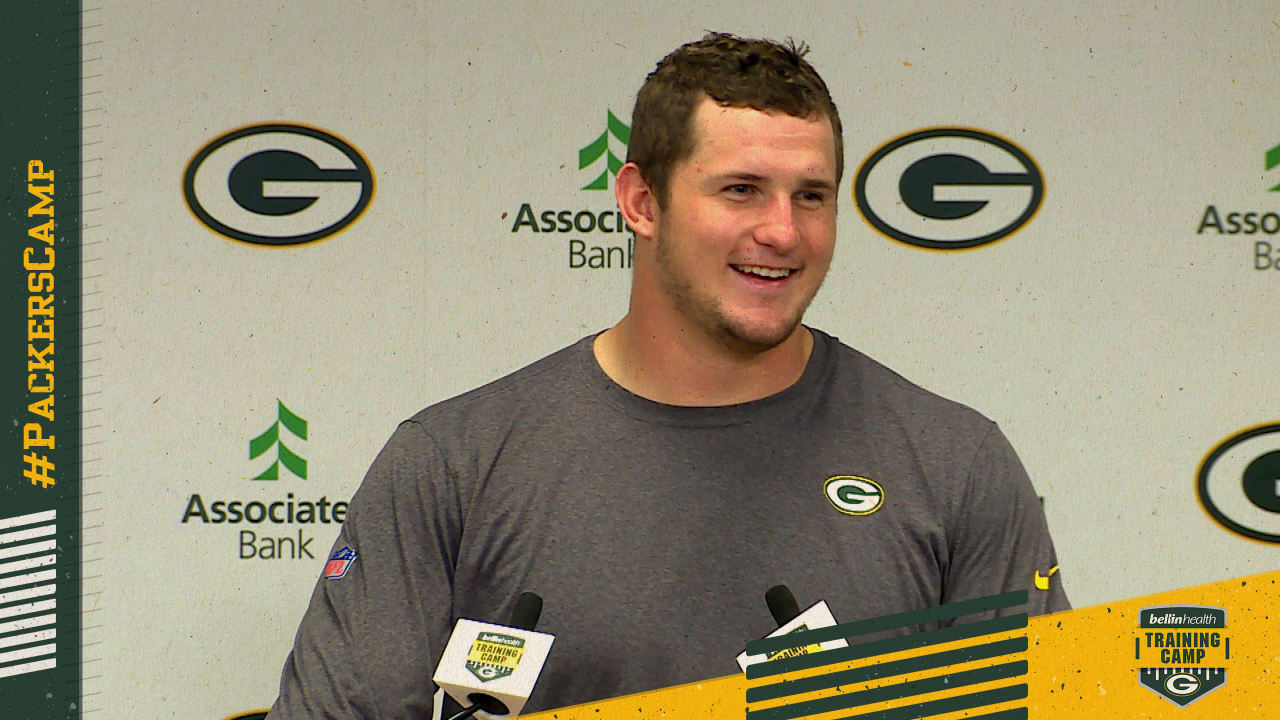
[853, 495]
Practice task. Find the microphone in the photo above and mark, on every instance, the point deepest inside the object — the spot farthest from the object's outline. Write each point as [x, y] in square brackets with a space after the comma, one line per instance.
[786, 612]
[527, 611]
[782, 604]
[491, 669]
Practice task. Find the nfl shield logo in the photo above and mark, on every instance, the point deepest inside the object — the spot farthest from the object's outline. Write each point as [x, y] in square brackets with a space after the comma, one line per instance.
[340, 562]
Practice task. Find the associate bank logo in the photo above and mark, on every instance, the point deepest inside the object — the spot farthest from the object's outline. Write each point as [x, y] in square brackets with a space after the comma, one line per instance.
[948, 188]
[278, 520]
[594, 234]
[588, 155]
[294, 463]
[1251, 222]
[278, 184]
[1272, 162]
[1186, 649]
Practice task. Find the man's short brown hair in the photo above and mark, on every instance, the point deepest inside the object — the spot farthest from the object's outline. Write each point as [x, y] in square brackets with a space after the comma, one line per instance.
[734, 72]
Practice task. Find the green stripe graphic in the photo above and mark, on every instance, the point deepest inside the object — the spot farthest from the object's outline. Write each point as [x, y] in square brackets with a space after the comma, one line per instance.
[1019, 713]
[955, 704]
[40, 317]
[888, 622]
[888, 669]
[889, 645]
[892, 692]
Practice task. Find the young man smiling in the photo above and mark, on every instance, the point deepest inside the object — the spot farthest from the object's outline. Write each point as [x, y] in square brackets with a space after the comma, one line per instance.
[728, 255]
[652, 481]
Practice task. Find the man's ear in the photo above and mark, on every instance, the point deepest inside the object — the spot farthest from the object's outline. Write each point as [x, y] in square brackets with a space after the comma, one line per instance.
[636, 201]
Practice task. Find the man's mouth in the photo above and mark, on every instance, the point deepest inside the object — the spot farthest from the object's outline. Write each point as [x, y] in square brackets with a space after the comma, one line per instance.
[763, 272]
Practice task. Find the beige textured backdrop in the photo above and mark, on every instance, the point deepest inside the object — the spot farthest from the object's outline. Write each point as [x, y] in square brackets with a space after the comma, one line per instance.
[1113, 344]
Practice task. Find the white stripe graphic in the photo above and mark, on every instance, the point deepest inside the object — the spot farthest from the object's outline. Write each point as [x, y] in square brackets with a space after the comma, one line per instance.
[14, 537]
[24, 594]
[13, 567]
[27, 609]
[42, 546]
[26, 623]
[25, 543]
[31, 519]
[37, 651]
[28, 578]
[38, 636]
[28, 667]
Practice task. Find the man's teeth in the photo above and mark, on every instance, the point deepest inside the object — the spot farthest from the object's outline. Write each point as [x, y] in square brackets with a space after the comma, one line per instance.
[763, 271]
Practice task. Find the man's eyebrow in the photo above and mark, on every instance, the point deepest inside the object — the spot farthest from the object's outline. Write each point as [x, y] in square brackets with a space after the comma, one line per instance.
[743, 176]
[818, 184]
[807, 183]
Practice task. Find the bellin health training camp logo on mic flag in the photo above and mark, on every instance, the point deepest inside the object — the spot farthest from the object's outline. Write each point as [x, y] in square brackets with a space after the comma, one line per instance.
[491, 669]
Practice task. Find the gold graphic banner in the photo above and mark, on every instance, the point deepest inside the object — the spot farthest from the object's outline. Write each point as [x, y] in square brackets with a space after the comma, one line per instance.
[1081, 664]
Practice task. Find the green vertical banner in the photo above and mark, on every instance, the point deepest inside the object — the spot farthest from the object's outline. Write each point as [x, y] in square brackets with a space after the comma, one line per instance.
[40, 261]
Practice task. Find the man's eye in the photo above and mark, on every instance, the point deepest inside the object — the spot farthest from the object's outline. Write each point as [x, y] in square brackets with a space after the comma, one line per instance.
[739, 189]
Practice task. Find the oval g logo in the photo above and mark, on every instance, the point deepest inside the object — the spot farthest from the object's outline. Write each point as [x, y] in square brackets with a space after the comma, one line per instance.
[277, 184]
[948, 188]
[1182, 684]
[1239, 483]
[853, 495]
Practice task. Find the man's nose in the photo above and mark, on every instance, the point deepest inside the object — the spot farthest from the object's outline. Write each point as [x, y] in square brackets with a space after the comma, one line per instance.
[777, 227]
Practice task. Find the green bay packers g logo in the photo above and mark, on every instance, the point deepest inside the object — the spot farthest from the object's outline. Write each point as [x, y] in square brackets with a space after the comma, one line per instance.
[1239, 483]
[948, 188]
[853, 495]
[278, 184]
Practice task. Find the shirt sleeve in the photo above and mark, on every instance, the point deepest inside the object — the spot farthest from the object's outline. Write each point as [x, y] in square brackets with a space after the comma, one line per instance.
[373, 634]
[1000, 541]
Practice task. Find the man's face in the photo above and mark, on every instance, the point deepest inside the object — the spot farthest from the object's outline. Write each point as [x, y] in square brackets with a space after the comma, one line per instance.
[749, 226]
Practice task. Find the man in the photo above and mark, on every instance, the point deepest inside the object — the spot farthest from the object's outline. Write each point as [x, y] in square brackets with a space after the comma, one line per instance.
[652, 481]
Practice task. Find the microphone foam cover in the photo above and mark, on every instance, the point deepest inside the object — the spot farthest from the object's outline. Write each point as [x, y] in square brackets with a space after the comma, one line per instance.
[782, 604]
[528, 610]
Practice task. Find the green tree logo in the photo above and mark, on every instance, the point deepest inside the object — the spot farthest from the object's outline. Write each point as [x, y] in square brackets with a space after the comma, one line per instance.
[1273, 159]
[600, 146]
[284, 456]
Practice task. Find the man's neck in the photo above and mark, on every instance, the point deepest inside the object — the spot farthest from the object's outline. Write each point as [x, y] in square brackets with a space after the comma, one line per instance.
[692, 370]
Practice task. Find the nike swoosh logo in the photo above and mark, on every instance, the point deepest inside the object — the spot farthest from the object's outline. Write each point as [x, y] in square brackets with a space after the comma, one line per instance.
[1042, 581]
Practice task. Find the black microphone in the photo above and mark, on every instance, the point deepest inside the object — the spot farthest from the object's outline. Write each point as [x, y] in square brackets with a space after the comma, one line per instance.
[782, 604]
[529, 608]
[786, 612]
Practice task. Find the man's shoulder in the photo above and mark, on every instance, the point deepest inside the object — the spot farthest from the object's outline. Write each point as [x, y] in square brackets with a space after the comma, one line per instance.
[552, 380]
[873, 386]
